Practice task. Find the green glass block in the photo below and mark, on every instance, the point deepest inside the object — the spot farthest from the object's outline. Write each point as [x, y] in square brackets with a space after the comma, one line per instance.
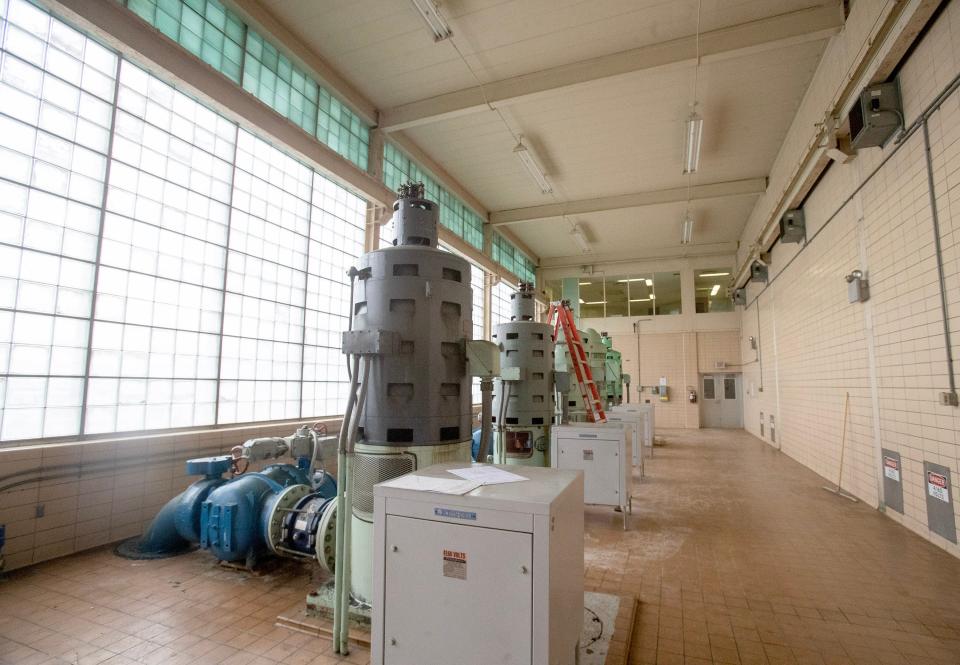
[216, 15]
[211, 56]
[145, 9]
[168, 25]
[235, 29]
[191, 41]
[231, 70]
[192, 21]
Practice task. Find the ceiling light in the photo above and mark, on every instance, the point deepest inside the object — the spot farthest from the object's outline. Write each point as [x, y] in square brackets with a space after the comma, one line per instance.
[715, 290]
[526, 157]
[585, 283]
[577, 234]
[582, 301]
[691, 151]
[636, 279]
[686, 230]
[653, 296]
[713, 274]
[596, 302]
[639, 299]
[649, 282]
[434, 19]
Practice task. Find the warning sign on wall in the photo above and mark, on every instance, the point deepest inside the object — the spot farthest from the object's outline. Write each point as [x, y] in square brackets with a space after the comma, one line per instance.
[891, 468]
[455, 564]
[937, 486]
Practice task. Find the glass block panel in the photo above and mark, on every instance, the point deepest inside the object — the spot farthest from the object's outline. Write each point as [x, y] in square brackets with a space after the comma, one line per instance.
[56, 86]
[341, 130]
[506, 254]
[275, 80]
[337, 222]
[206, 28]
[155, 341]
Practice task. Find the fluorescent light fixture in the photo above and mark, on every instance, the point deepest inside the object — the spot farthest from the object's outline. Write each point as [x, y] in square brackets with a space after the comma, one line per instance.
[434, 19]
[691, 151]
[585, 283]
[713, 274]
[526, 158]
[649, 282]
[639, 299]
[686, 230]
[636, 279]
[715, 290]
[596, 302]
[578, 237]
[582, 302]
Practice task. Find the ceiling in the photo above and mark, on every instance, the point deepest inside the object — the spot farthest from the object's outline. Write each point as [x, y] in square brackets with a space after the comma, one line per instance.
[611, 136]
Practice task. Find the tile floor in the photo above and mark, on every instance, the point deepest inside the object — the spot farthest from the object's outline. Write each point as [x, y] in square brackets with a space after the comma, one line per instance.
[735, 552]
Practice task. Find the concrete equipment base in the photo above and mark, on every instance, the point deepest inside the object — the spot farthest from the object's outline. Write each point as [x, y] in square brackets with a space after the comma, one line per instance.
[605, 640]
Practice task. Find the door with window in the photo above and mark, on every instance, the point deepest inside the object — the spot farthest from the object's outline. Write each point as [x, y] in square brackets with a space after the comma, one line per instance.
[721, 404]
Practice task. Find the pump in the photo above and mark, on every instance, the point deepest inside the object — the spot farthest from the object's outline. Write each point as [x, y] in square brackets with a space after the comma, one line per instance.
[524, 402]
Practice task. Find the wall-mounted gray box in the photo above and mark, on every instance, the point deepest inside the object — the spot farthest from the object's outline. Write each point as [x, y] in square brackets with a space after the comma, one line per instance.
[939, 493]
[892, 480]
[876, 115]
[739, 296]
[793, 226]
[758, 272]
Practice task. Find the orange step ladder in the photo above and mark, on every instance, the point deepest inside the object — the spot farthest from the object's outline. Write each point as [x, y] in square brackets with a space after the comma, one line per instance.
[578, 357]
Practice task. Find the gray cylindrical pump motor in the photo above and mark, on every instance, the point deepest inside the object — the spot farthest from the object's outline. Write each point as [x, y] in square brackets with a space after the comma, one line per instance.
[418, 405]
[531, 407]
[421, 395]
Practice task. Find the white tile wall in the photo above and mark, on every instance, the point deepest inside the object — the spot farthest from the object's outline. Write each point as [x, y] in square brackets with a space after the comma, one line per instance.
[887, 354]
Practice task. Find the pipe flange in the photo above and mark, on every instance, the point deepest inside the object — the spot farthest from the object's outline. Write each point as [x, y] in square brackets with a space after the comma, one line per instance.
[326, 542]
[285, 500]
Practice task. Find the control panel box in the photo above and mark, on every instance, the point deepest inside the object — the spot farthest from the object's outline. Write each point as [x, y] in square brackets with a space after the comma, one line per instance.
[602, 451]
[491, 576]
[636, 420]
[646, 412]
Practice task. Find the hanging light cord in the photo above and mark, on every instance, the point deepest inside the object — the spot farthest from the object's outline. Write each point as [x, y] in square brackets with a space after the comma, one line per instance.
[696, 81]
[516, 137]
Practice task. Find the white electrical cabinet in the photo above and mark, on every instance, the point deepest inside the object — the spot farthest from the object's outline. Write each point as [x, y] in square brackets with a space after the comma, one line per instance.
[491, 576]
[603, 452]
[646, 413]
[636, 420]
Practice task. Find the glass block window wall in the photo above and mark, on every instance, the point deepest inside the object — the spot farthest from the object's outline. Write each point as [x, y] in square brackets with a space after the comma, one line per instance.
[220, 38]
[219, 290]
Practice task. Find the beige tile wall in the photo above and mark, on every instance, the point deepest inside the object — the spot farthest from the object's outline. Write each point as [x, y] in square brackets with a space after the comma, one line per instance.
[679, 356]
[98, 492]
[888, 354]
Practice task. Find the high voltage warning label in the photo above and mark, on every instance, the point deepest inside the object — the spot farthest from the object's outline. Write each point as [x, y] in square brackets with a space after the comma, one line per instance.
[937, 486]
[455, 564]
[891, 468]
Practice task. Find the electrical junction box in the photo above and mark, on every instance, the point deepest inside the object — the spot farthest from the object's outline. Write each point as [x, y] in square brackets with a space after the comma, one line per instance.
[491, 576]
[876, 115]
[793, 226]
[739, 296]
[645, 412]
[758, 272]
[604, 453]
[483, 358]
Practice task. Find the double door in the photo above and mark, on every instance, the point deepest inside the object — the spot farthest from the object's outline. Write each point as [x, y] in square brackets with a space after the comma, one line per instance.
[721, 402]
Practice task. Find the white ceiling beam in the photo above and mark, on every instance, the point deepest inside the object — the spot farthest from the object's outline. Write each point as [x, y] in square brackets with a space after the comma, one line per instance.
[775, 32]
[715, 190]
[637, 254]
